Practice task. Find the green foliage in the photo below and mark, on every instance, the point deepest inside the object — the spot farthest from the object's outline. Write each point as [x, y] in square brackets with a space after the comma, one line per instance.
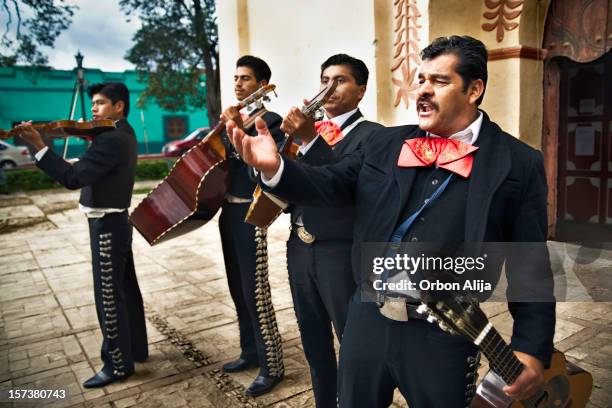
[151, 169]
[28, 179]
[35, 179]
[30, 24]
[176, 46]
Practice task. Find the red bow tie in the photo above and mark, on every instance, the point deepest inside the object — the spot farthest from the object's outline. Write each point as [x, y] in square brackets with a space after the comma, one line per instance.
[448, 154]
[329, 131]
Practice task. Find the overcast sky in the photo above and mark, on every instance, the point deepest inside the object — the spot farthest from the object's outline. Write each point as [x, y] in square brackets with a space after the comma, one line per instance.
[100, 31]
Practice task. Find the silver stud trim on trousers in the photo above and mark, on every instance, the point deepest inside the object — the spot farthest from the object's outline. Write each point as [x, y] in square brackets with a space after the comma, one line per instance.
[265, 309]
[110, 329]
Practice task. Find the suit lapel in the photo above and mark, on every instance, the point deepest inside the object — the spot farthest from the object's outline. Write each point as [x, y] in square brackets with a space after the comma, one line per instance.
[491, 167]
[351, 119]
[394, 195]
[404, 177]
[346, 140]
[393, 192]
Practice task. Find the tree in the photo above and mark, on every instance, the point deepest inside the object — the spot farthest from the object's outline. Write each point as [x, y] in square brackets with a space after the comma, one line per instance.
[177, 43]
[30, 24]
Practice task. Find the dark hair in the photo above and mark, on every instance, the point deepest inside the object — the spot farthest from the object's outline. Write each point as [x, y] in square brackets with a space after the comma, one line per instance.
[356, 66]
[472, 56]
[115, 91]
[261, 70]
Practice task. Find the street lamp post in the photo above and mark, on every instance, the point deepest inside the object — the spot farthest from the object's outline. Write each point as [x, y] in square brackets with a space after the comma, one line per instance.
[79, 86]
[81, 82]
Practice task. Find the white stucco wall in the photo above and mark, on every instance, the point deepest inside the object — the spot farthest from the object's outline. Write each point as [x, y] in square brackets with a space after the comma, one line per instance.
[294, 38]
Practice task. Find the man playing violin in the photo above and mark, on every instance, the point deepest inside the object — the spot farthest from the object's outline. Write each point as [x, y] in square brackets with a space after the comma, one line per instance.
[245, 247]
[319, 247]
[105, 174]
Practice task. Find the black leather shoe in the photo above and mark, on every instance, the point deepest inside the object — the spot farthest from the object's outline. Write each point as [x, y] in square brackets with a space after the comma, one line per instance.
[101, 379]
[262, 385]
[239, 365]
[141, 359]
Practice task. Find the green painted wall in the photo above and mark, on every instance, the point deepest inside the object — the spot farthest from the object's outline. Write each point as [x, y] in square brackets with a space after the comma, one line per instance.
[45, 95]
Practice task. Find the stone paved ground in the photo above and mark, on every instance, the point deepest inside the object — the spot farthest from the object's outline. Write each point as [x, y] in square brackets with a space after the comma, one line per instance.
[49, 336]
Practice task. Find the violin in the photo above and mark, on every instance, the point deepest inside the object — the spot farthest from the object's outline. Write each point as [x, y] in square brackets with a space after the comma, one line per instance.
[65, 128]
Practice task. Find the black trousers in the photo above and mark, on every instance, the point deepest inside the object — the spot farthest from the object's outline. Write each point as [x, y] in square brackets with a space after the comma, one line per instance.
[431, 368]
[118, 300]
[246, 265]
[321, 285]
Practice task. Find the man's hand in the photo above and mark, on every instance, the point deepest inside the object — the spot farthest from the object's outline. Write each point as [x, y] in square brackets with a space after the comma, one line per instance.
[299, 126]
[233, 114]
[529, 381]
[31, 136]
[258, 151]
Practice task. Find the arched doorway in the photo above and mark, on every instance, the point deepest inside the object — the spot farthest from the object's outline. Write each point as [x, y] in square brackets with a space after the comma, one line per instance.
[577, 129]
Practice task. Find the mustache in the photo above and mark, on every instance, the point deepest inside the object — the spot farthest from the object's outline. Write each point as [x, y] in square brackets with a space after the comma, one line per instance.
[428, 101]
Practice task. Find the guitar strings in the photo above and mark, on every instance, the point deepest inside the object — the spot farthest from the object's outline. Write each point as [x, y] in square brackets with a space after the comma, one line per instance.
[510, 372]
[491, 347]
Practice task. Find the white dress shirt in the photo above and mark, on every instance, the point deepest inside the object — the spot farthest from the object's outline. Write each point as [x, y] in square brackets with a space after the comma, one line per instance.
[338, 121]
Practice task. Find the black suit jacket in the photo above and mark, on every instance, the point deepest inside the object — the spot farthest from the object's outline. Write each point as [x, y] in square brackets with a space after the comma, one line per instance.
[105, 172]
[506, 201]
[334, 223]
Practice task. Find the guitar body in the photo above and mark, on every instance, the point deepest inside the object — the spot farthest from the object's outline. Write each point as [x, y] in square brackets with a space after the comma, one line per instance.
[194, 189]
[266, 208]
[565, 386]
[189, 196]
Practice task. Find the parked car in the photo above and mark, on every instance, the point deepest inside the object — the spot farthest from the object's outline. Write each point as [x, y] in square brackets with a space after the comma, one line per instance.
[13, 156]
[177, 147]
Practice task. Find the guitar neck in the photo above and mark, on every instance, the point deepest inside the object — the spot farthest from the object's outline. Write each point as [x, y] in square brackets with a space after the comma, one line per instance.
[286, 147]
[250, 122]
[501, 358]
[310, 109]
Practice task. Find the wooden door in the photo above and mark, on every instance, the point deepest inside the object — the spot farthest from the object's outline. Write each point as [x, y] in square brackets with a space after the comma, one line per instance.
[576, 118]
[584, 180]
